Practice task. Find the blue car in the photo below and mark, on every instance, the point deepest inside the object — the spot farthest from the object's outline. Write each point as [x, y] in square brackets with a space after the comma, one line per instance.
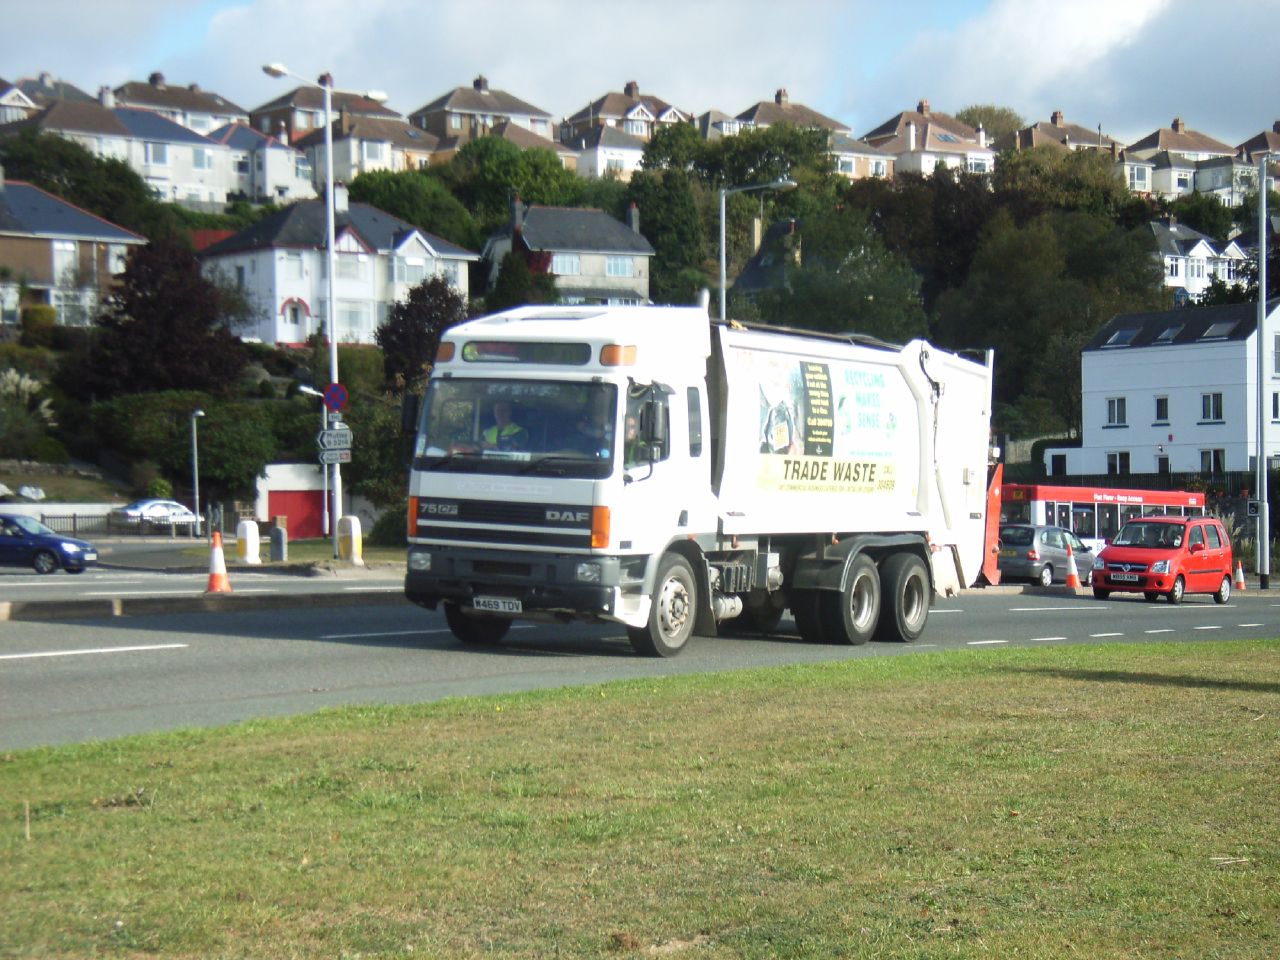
[25, 542]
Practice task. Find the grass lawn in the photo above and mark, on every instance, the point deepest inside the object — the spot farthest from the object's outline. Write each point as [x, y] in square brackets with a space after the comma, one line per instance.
[1100, 801]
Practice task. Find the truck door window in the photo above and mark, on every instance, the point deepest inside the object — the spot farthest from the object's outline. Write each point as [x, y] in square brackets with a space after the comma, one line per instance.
[695, 422]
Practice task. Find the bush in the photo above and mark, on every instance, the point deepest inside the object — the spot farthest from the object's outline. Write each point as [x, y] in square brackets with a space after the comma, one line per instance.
[38, 322]
[160, 488]
[389, 529]
[48, 450]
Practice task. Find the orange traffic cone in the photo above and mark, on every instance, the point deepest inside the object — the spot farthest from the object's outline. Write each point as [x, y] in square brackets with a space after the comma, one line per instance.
[1073, 575]
[1239, 584]
[218, 582]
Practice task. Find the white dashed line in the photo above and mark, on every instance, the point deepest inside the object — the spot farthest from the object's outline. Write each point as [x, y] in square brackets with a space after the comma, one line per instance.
[1099, 636]
[1044, 639]
[1164, 630]
[984, 643]
[80, 653]
[1206, 628]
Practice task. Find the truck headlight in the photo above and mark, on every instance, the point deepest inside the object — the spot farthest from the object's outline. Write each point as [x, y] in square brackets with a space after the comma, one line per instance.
[587, 572]
[420, 561]
[1160, 566]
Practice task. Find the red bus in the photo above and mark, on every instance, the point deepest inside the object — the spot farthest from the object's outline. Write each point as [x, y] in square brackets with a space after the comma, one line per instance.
[1094, 514]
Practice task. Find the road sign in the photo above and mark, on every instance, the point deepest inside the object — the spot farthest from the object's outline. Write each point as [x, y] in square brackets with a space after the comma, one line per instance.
[334, 439]
[335, 456]
[335, 397]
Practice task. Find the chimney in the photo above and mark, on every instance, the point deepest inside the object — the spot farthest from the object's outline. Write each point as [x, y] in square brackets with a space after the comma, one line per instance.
[1275, 127]
[481, 84]
[633, 216]
[923, 107]
[282, 133]
[632, 90]
[911, 137]
[1114, 149]
[517, 214]
[344, 122]
[1179, 126]
[339, 197]
[156, 80]
[46, 80]
[781, 98]
[1056, 118]
[982, 136]
[194, 88]
[107, 97]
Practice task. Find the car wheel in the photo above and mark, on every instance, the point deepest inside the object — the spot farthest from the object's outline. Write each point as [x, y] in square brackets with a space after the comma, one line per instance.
[1224, 591]
[1176, 592]
[1100, 594]
[1046, 576]
[44, 562]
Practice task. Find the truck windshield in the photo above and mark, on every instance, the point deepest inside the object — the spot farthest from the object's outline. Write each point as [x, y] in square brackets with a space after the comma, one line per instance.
[546, 427]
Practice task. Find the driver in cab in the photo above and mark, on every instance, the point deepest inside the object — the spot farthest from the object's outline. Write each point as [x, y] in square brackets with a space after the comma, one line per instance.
[505, 434]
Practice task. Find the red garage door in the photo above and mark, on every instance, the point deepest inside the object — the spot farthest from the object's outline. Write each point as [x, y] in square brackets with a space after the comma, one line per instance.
[302, 507]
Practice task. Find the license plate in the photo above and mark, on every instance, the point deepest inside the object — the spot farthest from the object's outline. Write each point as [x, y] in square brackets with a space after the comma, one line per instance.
[1008, 553]
[497, 604]
[90, 555]
[1124, 578]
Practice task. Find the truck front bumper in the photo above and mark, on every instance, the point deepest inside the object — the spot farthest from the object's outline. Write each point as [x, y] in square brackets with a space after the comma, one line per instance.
[564, 586]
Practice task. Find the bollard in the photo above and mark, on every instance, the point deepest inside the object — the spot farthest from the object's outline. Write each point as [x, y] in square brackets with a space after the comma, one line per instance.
[279, 545]
[350, 548]
[247, 546]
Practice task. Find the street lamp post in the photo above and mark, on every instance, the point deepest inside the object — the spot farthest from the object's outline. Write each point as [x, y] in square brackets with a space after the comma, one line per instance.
[324, 425]
[781, 186]
[195, 465]
[326, 86]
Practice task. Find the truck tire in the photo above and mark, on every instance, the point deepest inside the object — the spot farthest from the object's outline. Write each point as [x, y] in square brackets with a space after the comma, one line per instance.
[806, 610]
[672, 612]
[475, 629]
[904, 598]
[761, 617]
[852, 614]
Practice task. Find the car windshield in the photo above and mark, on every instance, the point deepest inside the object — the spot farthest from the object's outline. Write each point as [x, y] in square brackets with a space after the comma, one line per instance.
[1157, 536]
[547, 427]
[31, 526]
[1016, 536]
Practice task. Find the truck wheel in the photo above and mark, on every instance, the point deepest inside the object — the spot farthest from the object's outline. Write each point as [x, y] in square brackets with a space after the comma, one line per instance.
[852, 614]
[806, 610]
[475, 629]
[904, 598]
[672, 613]
[761, 618]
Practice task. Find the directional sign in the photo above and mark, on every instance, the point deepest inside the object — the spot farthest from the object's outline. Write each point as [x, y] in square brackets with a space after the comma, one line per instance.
[339, 439]
[335, 397]
[335, 456]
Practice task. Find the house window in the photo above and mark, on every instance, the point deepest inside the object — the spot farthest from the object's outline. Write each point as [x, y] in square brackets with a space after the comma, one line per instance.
[637, 128]
[452, 274]
[353, 322]
[292, 268]
[410, 270]
[844, 165]
[351, 268]
[1213, 461]
[374, 150]
[201, 158]
[1162, 409]
[1116, 412]
[1174, 268]
[613, 163]
[117, 257]
[877, 168]
[1210, 408]
[1195, 268]
[157, 154]
[977, 166]
[302, 168]
[1162, 464]
[1275, 356]
[455, 121]
[239, 278]
[1184, 181]
[1118, 463]
[620, 267]
[1137, 178]
[293, 315]
[566, 264]
[64, 262]
[1275, 406]
[242, 166]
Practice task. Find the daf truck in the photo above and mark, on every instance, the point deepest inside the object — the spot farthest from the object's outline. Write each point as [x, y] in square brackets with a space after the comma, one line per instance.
[676, 475]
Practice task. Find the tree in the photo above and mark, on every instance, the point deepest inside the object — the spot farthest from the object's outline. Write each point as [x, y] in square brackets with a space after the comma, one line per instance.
[516, 284]
[163, 329]
[411, 333]
[490, 170]
[996, 121]
[846, 281]
[1204, 213]
[675, 146]
[670, 221]
[422, 200]
[1029, 182]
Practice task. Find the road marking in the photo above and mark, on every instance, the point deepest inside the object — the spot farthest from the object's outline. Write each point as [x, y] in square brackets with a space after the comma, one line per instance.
[186, 592]
[391, 589]
[1045, 609]
[80, 653]
[1097, 636]
[984, 643]
[389, 633]
[1161, 630]
[1044, 639]
[1206, 628]
[957, 610]
[1250, 624]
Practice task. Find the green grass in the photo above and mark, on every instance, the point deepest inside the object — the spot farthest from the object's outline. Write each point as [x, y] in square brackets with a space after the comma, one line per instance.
[59, 488]
[1105, 801]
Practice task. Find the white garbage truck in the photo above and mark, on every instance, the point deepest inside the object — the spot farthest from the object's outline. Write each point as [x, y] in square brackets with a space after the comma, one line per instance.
[649, 467]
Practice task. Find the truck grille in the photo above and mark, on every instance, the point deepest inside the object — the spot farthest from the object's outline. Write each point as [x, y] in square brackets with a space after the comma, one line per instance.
[490, 521]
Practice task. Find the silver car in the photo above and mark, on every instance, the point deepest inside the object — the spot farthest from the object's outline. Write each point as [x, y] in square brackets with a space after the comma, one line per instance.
[1039, 553]
[153, 514]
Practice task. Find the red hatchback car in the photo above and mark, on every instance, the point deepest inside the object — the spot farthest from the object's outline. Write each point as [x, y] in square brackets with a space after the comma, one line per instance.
[1166, 556]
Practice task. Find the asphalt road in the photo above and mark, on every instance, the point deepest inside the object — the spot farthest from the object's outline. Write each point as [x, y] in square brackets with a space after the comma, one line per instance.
[76, 680]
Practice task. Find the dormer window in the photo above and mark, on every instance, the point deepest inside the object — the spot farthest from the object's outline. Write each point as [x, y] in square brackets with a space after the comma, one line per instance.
[1219, 331]
[1122, 337]
[1168, 333]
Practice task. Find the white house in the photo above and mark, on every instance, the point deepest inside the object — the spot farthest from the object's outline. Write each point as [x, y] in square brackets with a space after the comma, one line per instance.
[1175, 391]
[200, 110]
[280, 262]
[266, 169]
[640, 115]
[922, 141]
[607, 152]
[1191, 260]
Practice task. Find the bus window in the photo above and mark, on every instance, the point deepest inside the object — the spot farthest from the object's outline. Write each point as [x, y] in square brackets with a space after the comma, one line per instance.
[1153, 510]
[1082, 519]
[1064, 515]
[1019, 512]
[1108, 520]
[1129, 513]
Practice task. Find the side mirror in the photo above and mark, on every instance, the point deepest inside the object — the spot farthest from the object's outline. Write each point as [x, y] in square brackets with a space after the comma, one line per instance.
[1197, 547]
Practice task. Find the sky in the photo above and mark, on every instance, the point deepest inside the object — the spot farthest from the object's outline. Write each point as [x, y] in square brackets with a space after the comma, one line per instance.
[1130, 65]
